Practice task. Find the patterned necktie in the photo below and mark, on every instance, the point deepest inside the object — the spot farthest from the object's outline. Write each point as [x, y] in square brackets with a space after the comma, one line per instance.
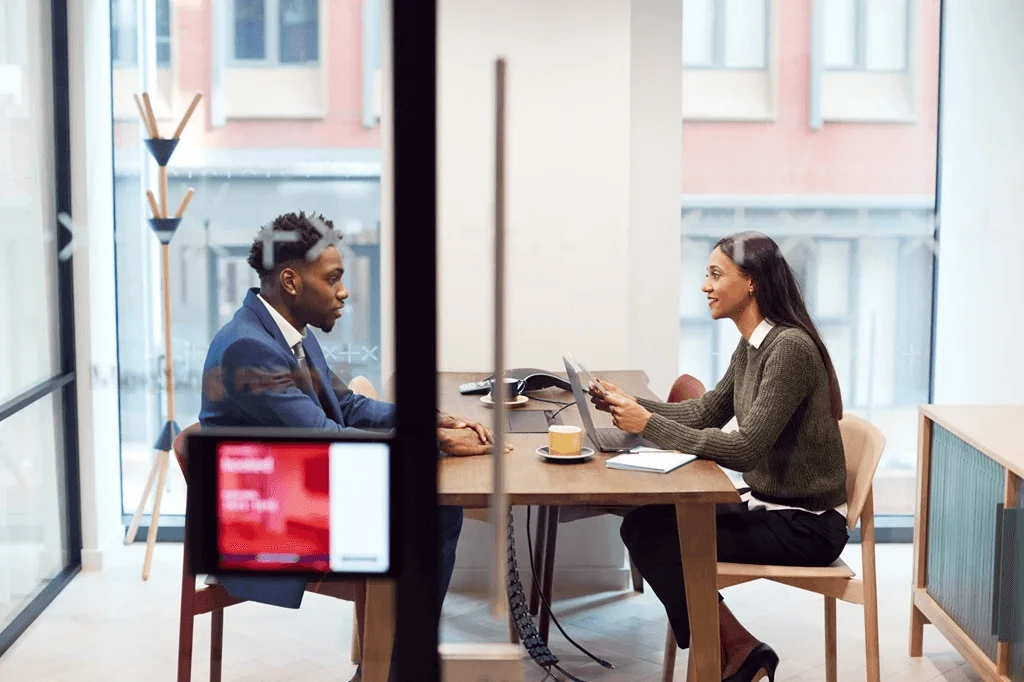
[300, 355]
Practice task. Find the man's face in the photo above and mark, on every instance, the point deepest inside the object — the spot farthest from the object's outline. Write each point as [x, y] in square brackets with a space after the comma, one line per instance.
[317, 290]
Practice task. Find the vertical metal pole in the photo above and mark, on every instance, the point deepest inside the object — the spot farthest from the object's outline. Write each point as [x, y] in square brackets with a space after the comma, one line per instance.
[499, 509]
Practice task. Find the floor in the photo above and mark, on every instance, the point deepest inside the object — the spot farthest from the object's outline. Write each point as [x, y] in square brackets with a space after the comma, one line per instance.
[113, 627]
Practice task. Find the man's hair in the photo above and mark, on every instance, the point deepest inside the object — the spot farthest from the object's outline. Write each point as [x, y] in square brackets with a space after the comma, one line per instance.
[312, 231]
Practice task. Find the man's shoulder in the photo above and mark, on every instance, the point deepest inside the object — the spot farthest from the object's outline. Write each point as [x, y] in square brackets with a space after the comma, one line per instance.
[241, 333]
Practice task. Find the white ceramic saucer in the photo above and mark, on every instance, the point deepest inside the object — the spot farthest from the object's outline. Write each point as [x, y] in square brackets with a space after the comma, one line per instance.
[585, 453]
[518, 402]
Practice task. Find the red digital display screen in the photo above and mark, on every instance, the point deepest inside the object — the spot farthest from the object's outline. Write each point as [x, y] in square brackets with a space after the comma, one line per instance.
[275, 506]
[310, 507]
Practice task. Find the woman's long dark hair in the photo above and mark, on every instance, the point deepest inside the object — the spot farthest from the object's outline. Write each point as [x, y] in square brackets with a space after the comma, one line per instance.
[778, 294]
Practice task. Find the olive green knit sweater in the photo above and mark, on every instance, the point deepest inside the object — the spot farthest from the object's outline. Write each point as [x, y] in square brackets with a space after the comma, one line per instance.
[788, 445]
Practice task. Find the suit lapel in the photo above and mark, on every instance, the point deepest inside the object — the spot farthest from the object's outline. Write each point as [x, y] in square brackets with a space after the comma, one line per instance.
[322, 378]
[315, 360]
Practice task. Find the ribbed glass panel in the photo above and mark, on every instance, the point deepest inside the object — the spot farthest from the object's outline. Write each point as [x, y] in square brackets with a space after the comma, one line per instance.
[965, 488]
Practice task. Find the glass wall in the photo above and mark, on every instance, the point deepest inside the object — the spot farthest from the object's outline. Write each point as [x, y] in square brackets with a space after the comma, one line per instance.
[35, 526]
[828, 144]
[283, 125]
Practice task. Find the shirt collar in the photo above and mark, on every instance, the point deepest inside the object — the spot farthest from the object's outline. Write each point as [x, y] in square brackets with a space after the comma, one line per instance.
[760, 332]
[291, 335]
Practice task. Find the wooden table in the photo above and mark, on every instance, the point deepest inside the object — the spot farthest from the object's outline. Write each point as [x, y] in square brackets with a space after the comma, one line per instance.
[970, 466]
[694, 489]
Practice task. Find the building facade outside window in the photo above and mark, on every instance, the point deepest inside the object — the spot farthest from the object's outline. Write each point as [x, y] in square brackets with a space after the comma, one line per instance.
[851, 201]
[282, 128]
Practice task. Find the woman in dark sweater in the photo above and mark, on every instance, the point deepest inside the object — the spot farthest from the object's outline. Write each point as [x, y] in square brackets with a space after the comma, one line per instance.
[782, 389]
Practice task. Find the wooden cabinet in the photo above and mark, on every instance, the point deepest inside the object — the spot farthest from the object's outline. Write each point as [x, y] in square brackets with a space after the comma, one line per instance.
[969, 535]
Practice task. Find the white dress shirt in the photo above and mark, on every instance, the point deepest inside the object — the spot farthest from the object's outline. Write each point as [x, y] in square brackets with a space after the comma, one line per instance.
[292, 336]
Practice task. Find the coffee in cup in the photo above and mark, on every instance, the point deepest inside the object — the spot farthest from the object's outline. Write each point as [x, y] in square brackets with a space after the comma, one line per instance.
[509, 389]
[565, 441]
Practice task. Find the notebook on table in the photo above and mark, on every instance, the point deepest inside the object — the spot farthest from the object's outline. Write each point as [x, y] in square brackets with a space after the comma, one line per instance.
[654, 461]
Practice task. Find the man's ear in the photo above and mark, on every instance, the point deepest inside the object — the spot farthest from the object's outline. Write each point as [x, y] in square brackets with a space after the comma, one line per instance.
[289, 280]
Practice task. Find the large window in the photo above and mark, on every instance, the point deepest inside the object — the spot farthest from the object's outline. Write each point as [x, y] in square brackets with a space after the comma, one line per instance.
[867, 35]
[851, 205]
[730, 34]
[246, 170]
[276, 31]
[39, 533]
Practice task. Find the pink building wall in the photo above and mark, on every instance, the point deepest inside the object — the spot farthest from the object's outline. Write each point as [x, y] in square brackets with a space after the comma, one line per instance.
[788, 157]
[784, 156]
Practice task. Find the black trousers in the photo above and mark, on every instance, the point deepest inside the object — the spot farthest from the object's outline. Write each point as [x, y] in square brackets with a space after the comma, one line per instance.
[782, 537]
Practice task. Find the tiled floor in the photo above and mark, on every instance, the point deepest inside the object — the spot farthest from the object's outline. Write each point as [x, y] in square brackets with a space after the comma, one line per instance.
[112, 627]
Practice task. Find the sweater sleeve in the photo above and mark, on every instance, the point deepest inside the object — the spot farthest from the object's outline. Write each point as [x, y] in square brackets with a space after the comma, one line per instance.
[784, 385]
[713, 409]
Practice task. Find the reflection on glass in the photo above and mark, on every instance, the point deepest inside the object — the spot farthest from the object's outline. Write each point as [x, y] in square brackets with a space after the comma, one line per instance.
[28, 344]
[851, 205]
[32, 505]
[253, 150]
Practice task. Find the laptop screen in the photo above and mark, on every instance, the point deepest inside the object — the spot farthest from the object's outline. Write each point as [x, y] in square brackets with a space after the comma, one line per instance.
[581, 394]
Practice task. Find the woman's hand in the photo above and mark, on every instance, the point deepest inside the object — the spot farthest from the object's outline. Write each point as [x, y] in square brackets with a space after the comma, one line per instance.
[452, 422]
[627, 414]
[597, 397]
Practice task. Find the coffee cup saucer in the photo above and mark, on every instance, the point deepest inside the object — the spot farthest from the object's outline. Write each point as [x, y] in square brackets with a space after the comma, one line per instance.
[585, 454]
[518, 402]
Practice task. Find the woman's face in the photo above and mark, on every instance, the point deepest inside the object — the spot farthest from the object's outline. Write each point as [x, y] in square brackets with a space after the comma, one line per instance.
[729, 291]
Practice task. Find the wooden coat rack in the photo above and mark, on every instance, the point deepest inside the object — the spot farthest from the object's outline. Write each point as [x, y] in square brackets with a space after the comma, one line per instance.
[164, 226]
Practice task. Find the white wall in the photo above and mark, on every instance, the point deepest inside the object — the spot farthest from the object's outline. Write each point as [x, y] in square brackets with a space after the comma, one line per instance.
[978, 321]
[593, 185]
[92, 179]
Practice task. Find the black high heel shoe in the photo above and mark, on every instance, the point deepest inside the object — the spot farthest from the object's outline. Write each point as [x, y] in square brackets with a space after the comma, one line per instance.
[762, 659]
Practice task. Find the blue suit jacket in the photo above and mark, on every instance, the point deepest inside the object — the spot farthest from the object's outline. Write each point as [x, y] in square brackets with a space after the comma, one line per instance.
[251, 378]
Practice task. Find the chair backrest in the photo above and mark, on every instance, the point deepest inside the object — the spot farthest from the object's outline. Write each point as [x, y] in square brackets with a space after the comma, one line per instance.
[863, 443]
[686, 387]
[179, 447]
[362, 386]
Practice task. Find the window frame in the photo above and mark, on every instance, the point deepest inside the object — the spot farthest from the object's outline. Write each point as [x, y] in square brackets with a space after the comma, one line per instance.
[718, 30]
[271, 39]
[860, 30]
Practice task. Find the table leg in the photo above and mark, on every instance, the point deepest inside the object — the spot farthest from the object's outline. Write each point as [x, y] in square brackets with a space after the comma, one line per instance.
[378, 630]
[549, 571]
[699, 550]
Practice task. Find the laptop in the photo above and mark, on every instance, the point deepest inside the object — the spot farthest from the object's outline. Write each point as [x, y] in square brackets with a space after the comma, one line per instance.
[608, 439]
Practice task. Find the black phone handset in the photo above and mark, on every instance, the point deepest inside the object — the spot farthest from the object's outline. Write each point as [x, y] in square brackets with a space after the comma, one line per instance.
[533, 380]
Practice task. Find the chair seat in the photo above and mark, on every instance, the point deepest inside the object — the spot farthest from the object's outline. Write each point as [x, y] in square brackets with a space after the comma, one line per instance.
[838, 569]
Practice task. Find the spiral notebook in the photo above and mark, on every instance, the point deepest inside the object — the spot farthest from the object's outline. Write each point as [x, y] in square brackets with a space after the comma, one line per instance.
[655, 461]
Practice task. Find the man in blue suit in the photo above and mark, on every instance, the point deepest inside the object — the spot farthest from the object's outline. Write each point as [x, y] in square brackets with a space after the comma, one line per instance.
[263, 368]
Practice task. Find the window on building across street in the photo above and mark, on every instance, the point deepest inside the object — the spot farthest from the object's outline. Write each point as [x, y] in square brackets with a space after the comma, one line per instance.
[276, 31]
[728, 34]
[867, 35]
[123, 38]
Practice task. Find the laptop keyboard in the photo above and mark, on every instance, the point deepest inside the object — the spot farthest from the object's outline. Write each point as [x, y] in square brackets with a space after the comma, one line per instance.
[616, 439]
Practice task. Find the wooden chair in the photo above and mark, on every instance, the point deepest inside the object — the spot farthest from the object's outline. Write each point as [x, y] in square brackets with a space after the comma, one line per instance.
[863, 443]
[212, 598]
[685, 387]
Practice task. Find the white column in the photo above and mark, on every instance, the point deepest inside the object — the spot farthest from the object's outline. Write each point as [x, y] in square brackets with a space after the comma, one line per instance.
[593, 210]
[655, 178]
[92, 186]
[978, 326]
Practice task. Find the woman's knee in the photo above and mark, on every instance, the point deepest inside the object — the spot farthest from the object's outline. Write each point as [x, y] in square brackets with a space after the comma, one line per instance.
[642, 522]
